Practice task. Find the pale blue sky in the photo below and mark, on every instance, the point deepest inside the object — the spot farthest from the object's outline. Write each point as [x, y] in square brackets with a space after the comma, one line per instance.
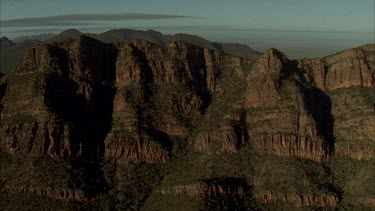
[321, 15]
[287, 24]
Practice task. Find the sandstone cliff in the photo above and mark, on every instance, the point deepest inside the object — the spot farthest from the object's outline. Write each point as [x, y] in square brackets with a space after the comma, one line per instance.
[276, 114]
[348, 79]
[188, 122]
[58, 94]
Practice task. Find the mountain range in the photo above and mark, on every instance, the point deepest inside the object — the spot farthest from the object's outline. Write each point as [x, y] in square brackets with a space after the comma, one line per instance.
[114, 122]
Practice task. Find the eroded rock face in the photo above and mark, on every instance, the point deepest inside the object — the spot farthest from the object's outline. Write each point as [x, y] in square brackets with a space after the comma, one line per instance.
[70, 87]
[299, 108]
[57, 193]
[162, 93]
[348, 79]
[137, 103]
[264, 80]
[354, 128]
[234, 195]
[55, 99]
[278, 115]
[280, 121]
[347, 69]
[326, 201]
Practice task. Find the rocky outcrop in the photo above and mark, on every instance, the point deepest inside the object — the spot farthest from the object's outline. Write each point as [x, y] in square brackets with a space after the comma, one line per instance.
[239, 193]
[176, 82]
[72, 90]
[264, 80]
[356, 149]
[177, 63]
[350, 68]
[136, 149]
[277, 115]
[51, 192]
[223, 141]
[290, 108]
[37, 139]
[295, 200]
[348, 79]
[55, 97]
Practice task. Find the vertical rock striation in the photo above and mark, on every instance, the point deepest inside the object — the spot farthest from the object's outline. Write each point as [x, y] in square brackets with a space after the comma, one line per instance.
[55, 98]
[162, 92]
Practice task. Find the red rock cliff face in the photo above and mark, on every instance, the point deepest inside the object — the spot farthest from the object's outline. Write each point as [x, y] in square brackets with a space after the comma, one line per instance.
[275, 115]
[51, 96]
[163, 93]
[174, 82]
[278, 116]
[350, 68]
[141, 103]
[300, 108]
[348, 79]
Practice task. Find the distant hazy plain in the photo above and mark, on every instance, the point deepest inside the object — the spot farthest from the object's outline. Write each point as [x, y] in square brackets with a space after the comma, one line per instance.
[295, 44]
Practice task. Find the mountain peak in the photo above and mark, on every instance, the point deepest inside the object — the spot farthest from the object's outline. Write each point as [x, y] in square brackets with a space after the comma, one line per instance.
[64, 35]
[275, 52]
[71, 31]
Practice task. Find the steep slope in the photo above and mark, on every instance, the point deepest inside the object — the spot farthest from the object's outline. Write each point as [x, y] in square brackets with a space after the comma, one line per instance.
[50, 105]
[71, 90]
[246, 152]
[168, 89]
[348, 79]
[12, 55]
[236, 49]
[56, 75]
[5, 42]
[94, 125]
[276, 116]
[65, 35]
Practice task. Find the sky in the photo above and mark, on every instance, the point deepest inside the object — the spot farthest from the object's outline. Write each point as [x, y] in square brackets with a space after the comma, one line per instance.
[260, 23]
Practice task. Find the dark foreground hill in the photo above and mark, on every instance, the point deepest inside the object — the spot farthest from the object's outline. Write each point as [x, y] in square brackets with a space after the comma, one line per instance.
[12, 53]
[5, 42]
[101, 126]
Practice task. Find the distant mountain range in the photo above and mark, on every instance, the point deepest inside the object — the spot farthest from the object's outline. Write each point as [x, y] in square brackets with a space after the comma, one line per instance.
[12, 53]
[40, 37]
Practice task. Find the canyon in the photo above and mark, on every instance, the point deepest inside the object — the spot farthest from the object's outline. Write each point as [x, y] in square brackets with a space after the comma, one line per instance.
[90, 124]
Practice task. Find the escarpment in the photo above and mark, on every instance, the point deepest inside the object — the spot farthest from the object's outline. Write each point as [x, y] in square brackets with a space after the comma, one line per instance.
[348, 80]
[162, 93]
[276, 114]
[56, 97]
[279, 115]
[185, 122]
[354, 67]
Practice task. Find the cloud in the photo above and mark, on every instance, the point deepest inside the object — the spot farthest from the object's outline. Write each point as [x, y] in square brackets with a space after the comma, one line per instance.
[81, 19]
